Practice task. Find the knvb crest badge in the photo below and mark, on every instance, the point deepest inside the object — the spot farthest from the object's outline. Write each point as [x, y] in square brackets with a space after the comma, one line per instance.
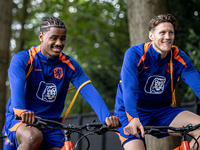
[58, 73]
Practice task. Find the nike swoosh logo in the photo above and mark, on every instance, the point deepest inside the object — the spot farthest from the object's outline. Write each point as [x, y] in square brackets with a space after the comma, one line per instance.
[38, 69]
[147, 67]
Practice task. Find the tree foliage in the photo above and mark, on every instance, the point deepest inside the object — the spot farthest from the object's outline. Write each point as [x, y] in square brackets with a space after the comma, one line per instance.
[187, 34]
[97, 37]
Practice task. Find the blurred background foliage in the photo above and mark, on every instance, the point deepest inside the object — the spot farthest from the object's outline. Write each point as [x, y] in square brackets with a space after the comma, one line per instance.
[187, 38]
[97, 37]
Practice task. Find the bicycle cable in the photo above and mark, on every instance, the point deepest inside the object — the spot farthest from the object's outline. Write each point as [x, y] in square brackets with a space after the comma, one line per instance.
[83, 136]
[196, 142]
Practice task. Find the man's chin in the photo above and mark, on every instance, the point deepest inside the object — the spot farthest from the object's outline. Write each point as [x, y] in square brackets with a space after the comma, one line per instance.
[55, 55]
[166, 49]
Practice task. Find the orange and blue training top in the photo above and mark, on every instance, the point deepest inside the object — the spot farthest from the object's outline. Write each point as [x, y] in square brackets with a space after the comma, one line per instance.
[146, 81]
[45, 88]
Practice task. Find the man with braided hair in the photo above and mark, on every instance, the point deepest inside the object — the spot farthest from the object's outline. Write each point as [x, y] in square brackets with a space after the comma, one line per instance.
[39, 80]
[145, 95]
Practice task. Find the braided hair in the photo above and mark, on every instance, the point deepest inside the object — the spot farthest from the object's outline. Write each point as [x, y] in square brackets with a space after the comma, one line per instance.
[51, 22]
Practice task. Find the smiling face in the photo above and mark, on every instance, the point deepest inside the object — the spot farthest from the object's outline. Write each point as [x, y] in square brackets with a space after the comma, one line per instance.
[52, 41]
[162, 37]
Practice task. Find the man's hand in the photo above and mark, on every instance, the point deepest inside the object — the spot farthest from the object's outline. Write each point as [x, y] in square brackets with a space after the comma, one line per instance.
[112, 122]
[134, 127]
[28, 117]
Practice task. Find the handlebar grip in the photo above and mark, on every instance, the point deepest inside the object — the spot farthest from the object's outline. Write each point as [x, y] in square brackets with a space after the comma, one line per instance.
[120, 124]
[17, 117]
[20, 118]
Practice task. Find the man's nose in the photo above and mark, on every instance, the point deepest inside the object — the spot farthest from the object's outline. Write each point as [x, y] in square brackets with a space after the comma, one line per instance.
[167, 35]
[58, 42]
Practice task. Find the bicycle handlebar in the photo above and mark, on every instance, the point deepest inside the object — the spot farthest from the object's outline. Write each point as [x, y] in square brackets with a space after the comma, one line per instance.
[154, 130]
[189, 128]
[43, 123]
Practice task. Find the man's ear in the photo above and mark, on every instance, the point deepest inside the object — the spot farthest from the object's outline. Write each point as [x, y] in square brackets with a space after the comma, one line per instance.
[150, 35]
[41, 36]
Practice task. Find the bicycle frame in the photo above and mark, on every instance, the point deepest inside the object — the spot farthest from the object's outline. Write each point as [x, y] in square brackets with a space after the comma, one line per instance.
[184, 146]
[68, 145]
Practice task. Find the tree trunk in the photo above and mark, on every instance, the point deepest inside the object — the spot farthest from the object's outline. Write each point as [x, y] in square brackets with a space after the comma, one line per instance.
[22, 17]
[5, 32]
[140, 13]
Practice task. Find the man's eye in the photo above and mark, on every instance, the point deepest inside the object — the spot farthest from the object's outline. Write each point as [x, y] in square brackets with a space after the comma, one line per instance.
[53, 38]
[62, 39]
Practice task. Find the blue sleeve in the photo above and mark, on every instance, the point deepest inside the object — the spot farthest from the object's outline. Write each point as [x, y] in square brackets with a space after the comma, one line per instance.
[191, 76]
[16, 74]
[7, 107]
[129, 76]
[8, 104]
[3, 130]
[78, 77]
[89, 93]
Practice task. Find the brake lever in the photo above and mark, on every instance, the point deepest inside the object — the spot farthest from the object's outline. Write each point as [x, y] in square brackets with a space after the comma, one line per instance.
[102, 130]
[30, 124]
[38, 123]
[41, 125]
[153, 132]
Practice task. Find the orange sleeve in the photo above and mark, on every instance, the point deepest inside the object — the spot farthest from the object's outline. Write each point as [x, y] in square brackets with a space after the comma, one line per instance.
[18, 112]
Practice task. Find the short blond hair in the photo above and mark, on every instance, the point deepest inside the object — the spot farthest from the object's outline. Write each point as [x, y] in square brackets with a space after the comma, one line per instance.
[162, 18]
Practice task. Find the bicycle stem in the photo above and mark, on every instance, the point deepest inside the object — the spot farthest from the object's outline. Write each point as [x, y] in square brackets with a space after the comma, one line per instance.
[68, 144]
[184, 143]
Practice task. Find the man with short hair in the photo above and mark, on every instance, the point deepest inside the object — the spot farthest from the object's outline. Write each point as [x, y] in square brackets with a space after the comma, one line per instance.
[39, 80]
[145, 95]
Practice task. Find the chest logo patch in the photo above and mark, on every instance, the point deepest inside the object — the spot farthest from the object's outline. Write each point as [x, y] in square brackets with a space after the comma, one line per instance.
[155, 84]
[58, 73]
[47, 92]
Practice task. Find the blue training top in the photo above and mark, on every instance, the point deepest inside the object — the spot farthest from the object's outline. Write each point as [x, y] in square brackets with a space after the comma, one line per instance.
[45, 89]
[151, 88]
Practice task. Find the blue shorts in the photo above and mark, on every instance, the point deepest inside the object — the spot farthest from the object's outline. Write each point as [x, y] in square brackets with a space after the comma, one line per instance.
[7, 145]
[157, 117]
[51, 137]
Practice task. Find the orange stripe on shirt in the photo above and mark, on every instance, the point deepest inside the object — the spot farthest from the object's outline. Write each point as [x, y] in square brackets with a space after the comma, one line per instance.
[146, 46]
[68, 62]
[129, 117]
[33, 50]
[18, 112]
[178, 57]
[14, 128]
